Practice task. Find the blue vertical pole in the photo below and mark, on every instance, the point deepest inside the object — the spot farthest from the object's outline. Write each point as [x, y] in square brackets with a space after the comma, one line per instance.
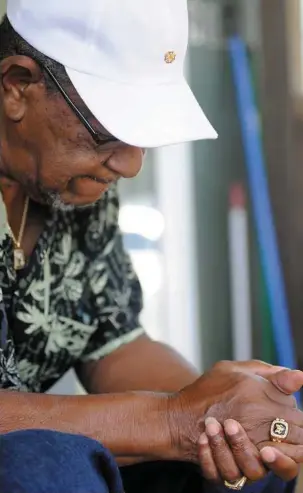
[263, 215]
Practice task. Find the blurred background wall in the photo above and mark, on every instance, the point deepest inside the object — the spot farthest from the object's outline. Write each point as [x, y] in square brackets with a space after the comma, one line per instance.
[175, 214]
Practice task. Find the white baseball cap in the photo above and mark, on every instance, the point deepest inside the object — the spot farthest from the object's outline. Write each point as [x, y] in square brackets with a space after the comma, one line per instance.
[125, 59]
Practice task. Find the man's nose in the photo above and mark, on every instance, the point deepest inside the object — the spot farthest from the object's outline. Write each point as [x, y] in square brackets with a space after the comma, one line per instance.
[126, 161]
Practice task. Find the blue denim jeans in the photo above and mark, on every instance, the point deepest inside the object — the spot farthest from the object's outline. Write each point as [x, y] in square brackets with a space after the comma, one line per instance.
[50, 462]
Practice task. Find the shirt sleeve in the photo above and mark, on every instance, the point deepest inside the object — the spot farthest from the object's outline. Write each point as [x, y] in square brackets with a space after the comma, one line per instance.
[113, 297]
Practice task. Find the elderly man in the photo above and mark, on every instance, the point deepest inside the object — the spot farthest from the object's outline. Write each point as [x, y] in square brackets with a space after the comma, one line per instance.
[85, 88]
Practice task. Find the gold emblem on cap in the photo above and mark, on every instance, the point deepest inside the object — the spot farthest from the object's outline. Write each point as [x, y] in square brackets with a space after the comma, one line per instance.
[170, 57]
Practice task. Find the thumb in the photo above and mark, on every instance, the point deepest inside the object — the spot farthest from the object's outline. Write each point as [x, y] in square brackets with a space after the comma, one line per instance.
[287, 381]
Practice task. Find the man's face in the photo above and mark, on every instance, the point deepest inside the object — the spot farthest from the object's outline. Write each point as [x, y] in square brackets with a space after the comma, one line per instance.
[46, 148]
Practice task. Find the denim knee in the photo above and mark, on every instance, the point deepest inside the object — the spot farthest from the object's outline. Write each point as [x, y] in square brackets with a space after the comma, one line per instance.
[41, 461]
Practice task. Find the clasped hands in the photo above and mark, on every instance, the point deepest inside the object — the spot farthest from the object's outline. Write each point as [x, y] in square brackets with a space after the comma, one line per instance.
[222, 422]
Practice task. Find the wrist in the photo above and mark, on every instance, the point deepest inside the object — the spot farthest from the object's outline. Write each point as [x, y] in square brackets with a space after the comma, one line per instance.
[163, 419]
[185, 428]
[152, 426]
[164, 429]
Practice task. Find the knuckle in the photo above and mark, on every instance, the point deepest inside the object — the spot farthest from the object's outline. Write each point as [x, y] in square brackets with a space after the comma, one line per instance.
[222, 365]
[257, 362]
[239, 443]
[226, 465]
[217, 441]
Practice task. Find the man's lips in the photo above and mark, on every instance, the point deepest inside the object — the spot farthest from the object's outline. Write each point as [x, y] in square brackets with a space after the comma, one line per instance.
[102, 180]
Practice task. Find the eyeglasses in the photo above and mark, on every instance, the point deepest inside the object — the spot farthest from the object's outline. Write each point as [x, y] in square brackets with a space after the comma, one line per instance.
[95, 135]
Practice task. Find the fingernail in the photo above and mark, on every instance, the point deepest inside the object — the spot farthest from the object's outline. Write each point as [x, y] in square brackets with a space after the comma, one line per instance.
[231, 427]
[203, 440]
[268, 454]
[212, 427]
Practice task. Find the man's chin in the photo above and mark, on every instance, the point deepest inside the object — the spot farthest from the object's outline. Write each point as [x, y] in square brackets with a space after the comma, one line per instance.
[55, 201]
[58, 204]
[52, 200]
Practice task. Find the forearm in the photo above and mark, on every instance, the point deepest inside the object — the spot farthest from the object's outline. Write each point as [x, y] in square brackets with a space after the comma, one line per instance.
[133, 425]
[155, 366]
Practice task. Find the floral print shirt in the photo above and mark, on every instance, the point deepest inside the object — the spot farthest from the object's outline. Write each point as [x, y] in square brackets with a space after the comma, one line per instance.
[77, 300]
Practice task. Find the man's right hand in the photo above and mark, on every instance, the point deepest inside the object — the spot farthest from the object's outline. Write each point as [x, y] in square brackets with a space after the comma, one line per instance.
[227, 454]
[239, 391]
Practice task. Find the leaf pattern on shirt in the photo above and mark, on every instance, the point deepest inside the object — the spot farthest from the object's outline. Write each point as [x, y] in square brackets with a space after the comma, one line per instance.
[77, 300]
[9, 374]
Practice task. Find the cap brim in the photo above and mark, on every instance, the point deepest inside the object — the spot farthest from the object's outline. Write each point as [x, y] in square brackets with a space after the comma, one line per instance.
[144, 115]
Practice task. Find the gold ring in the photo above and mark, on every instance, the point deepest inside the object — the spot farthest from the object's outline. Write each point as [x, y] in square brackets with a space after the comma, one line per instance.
[279, 430]
[236, 485]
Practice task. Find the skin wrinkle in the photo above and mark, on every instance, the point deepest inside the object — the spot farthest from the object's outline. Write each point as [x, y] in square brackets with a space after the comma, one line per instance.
[69, 147]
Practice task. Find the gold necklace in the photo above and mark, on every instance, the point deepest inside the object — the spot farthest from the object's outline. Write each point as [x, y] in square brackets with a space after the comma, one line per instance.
[19, 255]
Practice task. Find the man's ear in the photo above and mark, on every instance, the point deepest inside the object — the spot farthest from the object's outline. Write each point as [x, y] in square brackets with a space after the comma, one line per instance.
[17, 74]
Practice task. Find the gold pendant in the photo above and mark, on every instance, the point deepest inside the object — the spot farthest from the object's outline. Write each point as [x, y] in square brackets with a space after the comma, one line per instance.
[19, 259]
